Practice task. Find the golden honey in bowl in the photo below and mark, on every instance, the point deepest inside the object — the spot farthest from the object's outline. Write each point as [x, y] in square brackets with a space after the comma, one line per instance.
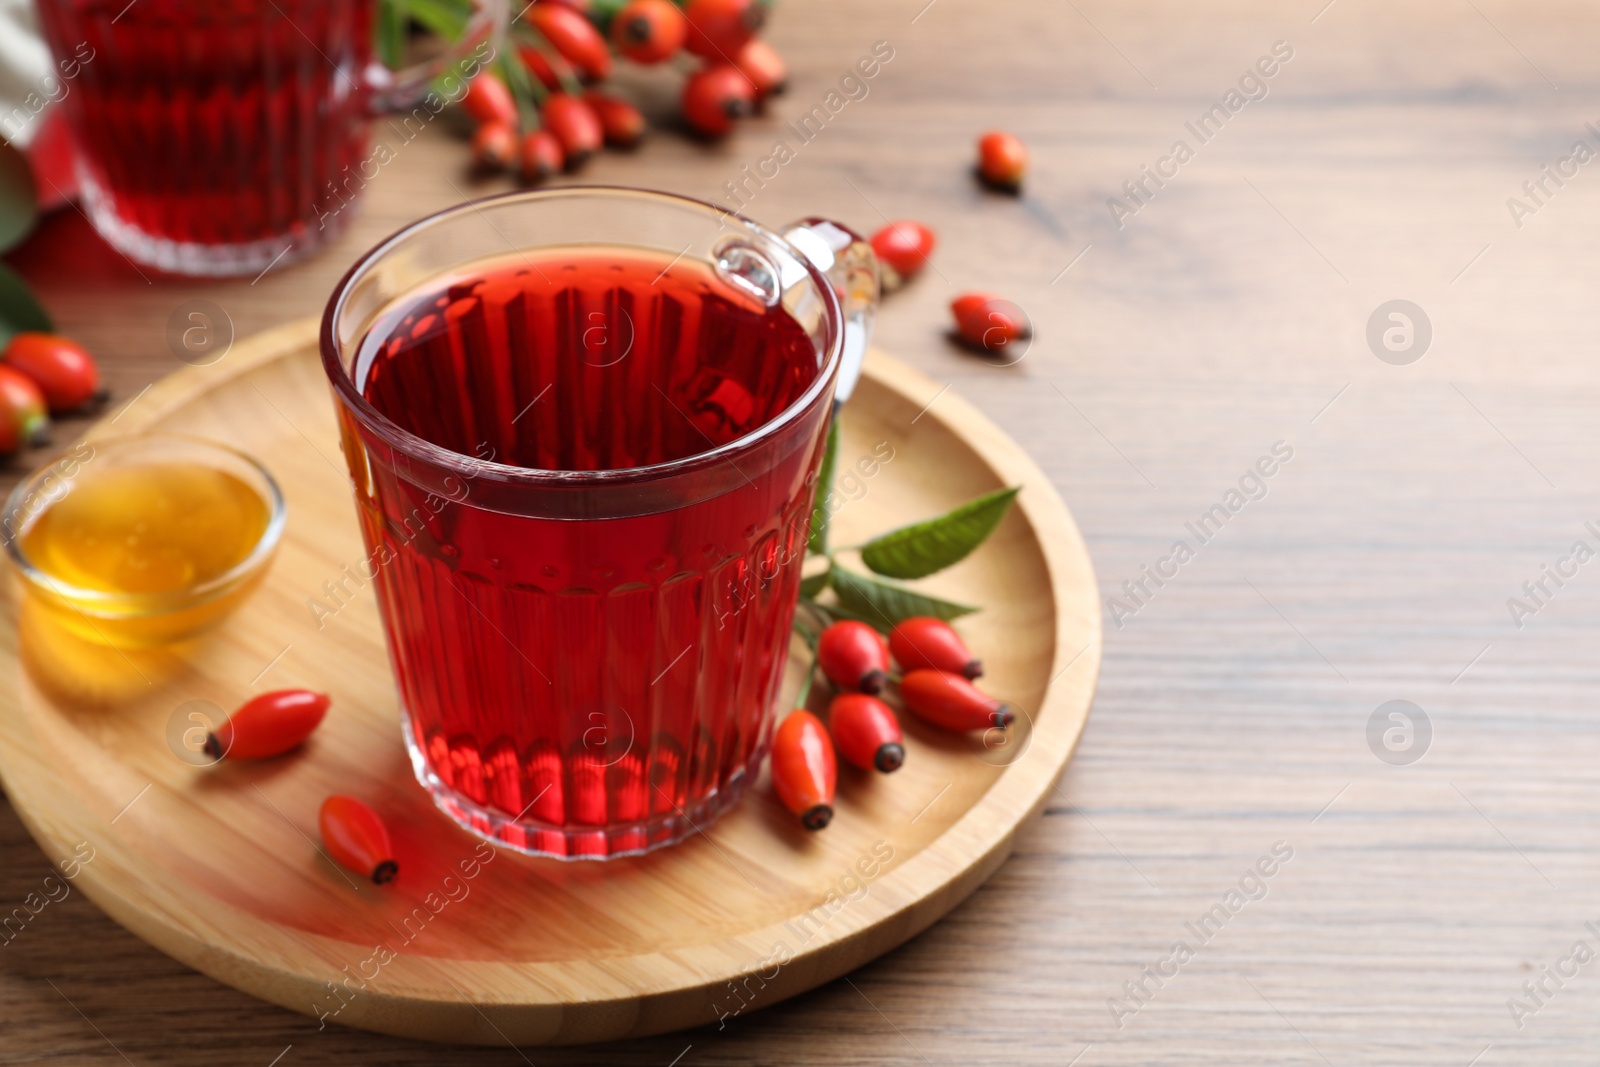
[152, 540]
[148, 528]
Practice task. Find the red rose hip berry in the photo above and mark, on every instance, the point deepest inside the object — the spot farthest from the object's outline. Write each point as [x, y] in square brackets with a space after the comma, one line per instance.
[268, 725]
[356, 838]
[904, 247]
[575, 37]
[989, 323]
[575, 125]
[538, 65]
[489, 100]
[866, 732]
[718, 29]
[950, 701]
[714, 97]
[620, 121]
[649, 31]
[925, 643]
[1002, 160]
[765, 69]
[23, 417]
[64, 372]
[853, 656]
[804, 769]
[494, 146]
[539, 157]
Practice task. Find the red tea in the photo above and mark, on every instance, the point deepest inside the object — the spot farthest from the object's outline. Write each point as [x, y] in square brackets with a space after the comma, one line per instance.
[214, 133]
[579, 671]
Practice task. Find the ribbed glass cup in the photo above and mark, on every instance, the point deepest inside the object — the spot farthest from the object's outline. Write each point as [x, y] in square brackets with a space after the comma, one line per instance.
[608, 687]
[219, 137]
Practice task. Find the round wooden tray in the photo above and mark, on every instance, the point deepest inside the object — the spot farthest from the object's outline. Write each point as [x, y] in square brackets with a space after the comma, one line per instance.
[218, 868]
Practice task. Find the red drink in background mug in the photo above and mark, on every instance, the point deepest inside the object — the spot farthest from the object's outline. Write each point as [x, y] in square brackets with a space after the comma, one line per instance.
[584, 427]
[222, 137]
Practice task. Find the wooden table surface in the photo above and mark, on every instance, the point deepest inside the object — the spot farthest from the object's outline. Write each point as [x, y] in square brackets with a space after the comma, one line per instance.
[1226, 317]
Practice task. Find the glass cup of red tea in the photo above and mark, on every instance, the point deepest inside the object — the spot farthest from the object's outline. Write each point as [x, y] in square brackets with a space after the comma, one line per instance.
[223, 137]
[584, 427]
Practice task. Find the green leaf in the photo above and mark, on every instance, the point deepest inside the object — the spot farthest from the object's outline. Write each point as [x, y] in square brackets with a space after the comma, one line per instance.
[19, 199]
[518, 79]
[601, 12]
[392, 19]
[819, 508]
[810, 587]
[881, 604]
[19, 311]
[443, 17]
[925, 548]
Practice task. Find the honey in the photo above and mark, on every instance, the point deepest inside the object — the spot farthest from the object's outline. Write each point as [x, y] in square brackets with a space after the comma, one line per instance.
[131, 554]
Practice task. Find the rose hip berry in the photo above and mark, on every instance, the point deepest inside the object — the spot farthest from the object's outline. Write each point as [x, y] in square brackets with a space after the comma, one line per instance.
[620, 121]
[925, 643]
[488, 100]
[64, 372]
[718, 29]
[268, 725]
[804, 769]
[649, 31]
[989, 323]
[853, 656]
[866, 732]
[763, 67]
[538, 65]
[1002, 160]
[494, 146]
[575, 125]
[356, 838]
[575, 37]
[539, 157]
[970, 306]
[950, 701]
[714, 97]
[904, 247]
[23, 420]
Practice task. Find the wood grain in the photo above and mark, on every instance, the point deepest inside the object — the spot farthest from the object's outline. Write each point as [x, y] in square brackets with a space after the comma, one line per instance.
[1220, 319]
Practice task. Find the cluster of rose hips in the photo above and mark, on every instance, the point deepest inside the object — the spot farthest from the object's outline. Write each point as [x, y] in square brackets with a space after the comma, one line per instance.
[983, 321]
[541, 112]
[42, 374]
[935, 685]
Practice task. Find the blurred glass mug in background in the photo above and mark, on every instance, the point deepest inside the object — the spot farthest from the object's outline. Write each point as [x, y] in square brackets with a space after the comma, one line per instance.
[223, 137]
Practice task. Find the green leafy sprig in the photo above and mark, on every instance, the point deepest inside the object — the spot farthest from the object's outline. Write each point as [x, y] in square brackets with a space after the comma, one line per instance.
[910, 552]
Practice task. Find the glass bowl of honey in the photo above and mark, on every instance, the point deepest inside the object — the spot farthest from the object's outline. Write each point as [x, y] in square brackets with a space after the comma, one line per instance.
[144, 540]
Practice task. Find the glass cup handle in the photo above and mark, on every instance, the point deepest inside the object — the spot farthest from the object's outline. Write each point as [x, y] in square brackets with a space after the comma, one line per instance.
[398, 90]
[850, 264]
